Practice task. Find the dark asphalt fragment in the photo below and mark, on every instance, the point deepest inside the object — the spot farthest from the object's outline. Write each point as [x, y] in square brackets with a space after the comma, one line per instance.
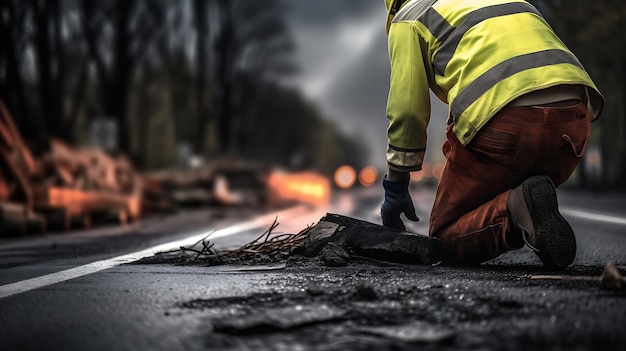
[321, 234]
[372, 240]
[333, 255]
[283, 318]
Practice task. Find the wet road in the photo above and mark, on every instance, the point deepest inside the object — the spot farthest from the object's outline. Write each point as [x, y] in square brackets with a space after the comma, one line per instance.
[69, 291]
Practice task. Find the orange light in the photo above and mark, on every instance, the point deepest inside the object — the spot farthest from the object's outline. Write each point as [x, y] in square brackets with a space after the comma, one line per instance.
[417, 176]
[345, 176]
[427, 170]
[305, 186]
[368, 176]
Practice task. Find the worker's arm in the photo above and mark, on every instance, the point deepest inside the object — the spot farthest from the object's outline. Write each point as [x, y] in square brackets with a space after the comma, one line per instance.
[408, 111]
[408, 105]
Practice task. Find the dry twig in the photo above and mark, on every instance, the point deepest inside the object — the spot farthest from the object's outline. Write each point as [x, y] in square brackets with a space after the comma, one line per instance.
[610, 279]
[190, 248]
[267, 242]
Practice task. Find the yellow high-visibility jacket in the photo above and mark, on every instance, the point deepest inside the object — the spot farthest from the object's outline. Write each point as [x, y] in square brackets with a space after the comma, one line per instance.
[476, 56]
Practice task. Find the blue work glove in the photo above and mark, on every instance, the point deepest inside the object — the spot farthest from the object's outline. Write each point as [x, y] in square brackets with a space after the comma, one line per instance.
[397, 201]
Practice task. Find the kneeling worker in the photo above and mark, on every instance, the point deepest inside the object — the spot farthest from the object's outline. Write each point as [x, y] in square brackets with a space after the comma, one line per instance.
[520, 107]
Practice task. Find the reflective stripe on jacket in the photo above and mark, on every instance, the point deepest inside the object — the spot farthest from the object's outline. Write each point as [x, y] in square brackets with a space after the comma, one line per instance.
[476, 56]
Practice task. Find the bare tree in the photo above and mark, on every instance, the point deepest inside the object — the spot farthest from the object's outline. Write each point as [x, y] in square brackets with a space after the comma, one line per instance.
[204, 71]
[248, 55]
[202, 37]
[50, 69]
[133, 25]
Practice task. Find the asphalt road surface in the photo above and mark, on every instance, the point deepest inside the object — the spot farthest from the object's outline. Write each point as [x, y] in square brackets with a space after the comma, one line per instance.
[82, 291]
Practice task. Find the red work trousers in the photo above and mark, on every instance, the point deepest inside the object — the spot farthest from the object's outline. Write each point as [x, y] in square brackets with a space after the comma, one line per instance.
[469, 214]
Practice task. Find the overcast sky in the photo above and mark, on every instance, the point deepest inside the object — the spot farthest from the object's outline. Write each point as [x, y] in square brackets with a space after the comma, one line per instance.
[342, 54]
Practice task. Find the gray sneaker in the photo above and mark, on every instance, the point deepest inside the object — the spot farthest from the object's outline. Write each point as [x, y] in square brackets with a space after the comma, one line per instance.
[535, 213]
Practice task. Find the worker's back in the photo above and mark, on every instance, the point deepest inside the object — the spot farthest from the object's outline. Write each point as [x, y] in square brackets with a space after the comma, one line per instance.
[483, 54]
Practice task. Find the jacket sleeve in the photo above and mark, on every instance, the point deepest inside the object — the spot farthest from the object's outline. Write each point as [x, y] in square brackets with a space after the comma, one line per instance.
[408, 105]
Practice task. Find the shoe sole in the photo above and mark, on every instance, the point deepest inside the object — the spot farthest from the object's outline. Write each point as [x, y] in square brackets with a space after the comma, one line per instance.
[554, 236]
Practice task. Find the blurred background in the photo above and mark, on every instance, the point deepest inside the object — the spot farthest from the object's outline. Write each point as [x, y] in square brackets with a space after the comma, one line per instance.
[300, 85]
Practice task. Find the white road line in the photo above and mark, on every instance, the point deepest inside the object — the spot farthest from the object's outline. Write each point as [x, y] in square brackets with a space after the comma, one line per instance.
[57, 277]
[593, 216]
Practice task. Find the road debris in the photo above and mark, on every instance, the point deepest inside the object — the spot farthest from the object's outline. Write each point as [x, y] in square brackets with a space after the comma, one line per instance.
[269, 246]
[320, 235]
[610, 279]
[333, 255]
[333, 239]
[269, 242]
[372, 240]
[282, 318]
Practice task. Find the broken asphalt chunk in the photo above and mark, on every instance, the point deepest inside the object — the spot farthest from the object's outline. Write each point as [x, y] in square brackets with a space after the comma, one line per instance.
[372, 240]
[321, 234]
[333, 255]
